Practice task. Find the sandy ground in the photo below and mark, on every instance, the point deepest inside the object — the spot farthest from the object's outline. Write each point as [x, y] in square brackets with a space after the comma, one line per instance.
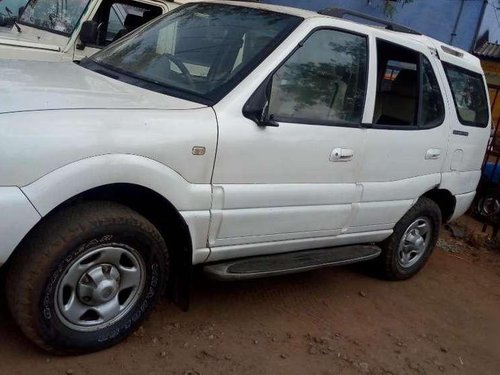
[332, 321]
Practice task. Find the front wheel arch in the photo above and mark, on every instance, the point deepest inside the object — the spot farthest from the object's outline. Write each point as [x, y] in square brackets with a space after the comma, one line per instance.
[159, 211]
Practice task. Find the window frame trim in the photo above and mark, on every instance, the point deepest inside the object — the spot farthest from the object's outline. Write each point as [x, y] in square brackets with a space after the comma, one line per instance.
[418, 113]
[309, 121]
[486, 93]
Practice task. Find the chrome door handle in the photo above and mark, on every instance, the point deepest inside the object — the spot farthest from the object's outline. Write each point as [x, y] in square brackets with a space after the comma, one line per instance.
[341, 154]
[433, 154]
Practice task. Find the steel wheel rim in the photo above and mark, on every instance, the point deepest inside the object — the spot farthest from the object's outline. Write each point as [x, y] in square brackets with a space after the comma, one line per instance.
[100, 287]
[415, 242]
[490, 206]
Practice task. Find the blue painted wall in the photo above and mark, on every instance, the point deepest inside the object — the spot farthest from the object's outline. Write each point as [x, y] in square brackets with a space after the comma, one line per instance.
[435, 18]
[490, 28]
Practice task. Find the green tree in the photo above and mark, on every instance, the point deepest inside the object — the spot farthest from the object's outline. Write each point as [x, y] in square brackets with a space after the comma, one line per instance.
[391, 6]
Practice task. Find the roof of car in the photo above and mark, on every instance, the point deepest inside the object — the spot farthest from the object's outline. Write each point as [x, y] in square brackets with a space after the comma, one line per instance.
[249, 4]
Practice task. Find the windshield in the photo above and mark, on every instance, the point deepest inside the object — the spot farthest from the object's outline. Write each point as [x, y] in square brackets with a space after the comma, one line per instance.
[60, 16]
[202, 49]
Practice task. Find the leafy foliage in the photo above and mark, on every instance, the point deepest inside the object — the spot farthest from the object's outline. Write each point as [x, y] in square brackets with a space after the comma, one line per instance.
[390, 6]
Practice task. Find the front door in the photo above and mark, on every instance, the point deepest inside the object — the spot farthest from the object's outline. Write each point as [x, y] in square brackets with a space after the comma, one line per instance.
[292, 186]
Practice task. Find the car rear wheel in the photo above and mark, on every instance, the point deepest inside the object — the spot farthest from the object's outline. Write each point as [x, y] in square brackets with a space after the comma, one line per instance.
[412, 242]
[87, 277]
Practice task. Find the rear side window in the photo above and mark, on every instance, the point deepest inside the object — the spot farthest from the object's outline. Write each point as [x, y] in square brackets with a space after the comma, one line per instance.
[469, 95]
[408, 93]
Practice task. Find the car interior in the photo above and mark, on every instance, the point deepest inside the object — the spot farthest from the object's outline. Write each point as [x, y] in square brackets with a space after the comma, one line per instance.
[223, 54]
[118, 18]
[397, 88]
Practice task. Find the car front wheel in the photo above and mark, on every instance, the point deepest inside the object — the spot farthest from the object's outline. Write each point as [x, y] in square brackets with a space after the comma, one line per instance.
[87, 277]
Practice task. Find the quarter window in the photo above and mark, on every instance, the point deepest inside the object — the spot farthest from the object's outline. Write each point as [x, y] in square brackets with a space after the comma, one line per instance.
[469, 95]
[432, 112]
[324, 81]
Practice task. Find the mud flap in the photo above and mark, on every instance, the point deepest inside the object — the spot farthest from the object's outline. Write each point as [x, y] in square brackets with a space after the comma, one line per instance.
[181, 281]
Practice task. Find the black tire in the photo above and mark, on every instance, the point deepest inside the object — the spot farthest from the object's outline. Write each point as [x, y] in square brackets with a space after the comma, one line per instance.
[488, 205]
[61, 241]
[389, 262]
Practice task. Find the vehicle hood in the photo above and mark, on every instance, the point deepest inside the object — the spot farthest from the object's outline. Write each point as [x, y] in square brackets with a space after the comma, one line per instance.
[12, 38]
[42, 86]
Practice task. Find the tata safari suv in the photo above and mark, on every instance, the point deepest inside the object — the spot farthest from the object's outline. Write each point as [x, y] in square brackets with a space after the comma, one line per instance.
[248, 140]
[55, 30]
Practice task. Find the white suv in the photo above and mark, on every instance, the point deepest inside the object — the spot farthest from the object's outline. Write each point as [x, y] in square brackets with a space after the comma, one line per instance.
[248, 139]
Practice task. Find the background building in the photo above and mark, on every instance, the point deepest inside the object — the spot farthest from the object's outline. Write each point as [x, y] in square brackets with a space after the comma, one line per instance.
[460, 23]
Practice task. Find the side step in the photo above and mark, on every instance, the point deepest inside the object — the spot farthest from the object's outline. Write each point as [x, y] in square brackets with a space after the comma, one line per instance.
[297, 261]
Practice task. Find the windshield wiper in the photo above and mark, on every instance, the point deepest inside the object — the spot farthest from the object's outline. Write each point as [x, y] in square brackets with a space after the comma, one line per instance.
[14, 19]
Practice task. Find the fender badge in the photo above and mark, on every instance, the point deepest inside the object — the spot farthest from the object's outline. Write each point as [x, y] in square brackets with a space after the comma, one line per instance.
[198, 150]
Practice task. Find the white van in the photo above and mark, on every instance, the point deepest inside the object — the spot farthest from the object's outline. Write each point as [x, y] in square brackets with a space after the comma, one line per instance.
[246, 139]
[55, 30]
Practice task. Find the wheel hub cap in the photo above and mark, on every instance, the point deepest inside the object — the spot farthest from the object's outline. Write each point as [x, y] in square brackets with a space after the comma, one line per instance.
[414, 242]
[100, 287]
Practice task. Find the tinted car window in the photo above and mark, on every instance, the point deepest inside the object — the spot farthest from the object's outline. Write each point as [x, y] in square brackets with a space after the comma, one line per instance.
[398, 85]
[323, 81]
[469, 95]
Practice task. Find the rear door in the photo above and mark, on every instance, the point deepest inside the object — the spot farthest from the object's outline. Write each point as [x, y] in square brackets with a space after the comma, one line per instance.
[406, 142]
[292, 186]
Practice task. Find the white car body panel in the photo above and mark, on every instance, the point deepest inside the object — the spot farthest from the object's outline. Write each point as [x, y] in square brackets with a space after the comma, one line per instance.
[255, 190]
[21, 215]
[66, 86]
[190, 199]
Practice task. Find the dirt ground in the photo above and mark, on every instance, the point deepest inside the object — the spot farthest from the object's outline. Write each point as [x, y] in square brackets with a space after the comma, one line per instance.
[333, 321]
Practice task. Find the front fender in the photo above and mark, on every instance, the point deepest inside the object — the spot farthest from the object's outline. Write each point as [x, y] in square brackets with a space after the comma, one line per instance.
[56, 187]
[193, 201]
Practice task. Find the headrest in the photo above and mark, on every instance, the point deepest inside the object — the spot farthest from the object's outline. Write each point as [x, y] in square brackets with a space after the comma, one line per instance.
[148, 15]
[133, 21]
[406, 83]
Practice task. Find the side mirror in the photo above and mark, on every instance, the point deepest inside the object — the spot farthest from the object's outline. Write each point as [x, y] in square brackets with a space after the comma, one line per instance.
[20, 12]
[88, 33]
[257, 107]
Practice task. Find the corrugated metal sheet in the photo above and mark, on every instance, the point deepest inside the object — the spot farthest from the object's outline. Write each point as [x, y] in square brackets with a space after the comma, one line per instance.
[488, 51]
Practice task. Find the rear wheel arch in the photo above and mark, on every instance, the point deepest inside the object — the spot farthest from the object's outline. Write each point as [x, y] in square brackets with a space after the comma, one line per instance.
[445, 200]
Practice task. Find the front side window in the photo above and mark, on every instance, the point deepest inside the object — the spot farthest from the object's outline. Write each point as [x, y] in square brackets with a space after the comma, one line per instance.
[57, 16]
[200, 49]
[469, 95]
[324, 81]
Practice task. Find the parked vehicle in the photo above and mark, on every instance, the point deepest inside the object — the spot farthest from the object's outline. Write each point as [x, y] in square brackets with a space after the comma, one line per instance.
[9, 11]
[59, 30]
[250, 140]
[487, 204]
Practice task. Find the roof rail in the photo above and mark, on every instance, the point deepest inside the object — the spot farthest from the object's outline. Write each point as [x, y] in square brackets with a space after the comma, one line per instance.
[341, 13]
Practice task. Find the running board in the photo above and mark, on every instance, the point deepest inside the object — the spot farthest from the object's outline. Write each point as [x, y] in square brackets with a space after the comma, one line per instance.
[297, 261]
